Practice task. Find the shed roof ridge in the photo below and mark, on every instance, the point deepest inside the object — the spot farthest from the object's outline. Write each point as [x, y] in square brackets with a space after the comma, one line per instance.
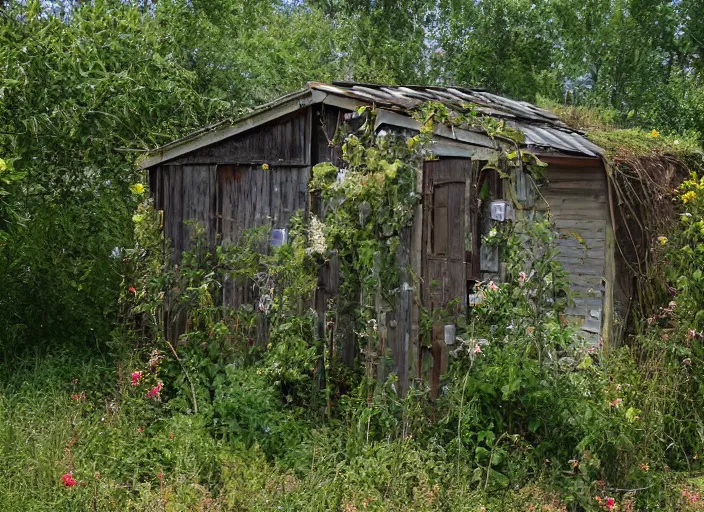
[525, 116]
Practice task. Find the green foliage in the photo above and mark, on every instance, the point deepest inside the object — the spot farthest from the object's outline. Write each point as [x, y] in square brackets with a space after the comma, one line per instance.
[642, 143]
[242, 426]
[371, 205]
[8, 214]
[247, 410]
[72, 92]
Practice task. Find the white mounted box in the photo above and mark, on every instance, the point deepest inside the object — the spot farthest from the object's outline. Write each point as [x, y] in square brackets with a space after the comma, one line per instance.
[501, 210]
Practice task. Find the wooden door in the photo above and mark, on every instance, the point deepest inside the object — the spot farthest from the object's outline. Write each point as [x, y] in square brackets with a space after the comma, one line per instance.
[450, 238]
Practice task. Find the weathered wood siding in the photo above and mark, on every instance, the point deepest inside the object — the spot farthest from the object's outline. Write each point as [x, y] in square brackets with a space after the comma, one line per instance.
[251, 197]
[282, 142]
[224, 186]
[577, 199]
[187, 195]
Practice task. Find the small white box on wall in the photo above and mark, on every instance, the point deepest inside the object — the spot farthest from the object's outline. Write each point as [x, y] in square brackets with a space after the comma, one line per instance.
[450, 333]
[501, 210]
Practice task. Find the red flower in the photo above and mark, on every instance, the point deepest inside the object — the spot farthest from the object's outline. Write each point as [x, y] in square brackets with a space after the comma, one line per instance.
[154, 392]
[610, 502]
[78, 397]
[133, 290]
[68, 480]
[136, 377]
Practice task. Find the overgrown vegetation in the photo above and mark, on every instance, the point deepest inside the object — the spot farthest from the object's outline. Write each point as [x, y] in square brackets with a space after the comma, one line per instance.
[98, 411]
[217, 420]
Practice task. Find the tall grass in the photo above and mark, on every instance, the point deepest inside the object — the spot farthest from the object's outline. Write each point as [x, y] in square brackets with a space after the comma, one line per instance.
[130, 454]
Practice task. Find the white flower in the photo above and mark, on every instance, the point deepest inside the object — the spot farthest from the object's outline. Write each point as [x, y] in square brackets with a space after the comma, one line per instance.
[316, 236]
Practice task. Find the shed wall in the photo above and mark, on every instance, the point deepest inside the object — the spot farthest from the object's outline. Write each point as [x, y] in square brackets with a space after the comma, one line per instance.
[226, 188]
[577, 200]
[251, 197]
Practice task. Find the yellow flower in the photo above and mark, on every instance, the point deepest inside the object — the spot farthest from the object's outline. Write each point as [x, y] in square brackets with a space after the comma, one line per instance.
[655, 133]
[662, 240]
[689, 196]
[137, 189]
[265, 167]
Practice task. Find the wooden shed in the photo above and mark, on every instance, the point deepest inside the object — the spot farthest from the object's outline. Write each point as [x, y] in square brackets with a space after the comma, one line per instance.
[214, 176]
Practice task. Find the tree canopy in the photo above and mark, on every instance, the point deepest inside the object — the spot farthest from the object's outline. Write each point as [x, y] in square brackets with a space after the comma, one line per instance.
[84, 85]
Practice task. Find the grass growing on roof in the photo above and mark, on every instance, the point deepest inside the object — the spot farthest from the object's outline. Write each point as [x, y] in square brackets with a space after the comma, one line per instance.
[637, 142]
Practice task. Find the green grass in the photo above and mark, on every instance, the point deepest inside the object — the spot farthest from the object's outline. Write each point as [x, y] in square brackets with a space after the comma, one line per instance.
[620, 139]
[131, 454]
[45, 433]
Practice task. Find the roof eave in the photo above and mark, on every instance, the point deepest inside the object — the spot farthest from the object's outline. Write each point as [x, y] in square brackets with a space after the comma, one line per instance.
[561, 139]
[225, 129]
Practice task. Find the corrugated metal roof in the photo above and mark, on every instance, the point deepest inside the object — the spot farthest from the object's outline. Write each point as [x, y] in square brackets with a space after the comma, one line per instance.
[542, 129]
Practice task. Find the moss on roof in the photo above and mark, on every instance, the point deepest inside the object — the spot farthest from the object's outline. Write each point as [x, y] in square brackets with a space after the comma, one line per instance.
[602, 127]
[636, 142]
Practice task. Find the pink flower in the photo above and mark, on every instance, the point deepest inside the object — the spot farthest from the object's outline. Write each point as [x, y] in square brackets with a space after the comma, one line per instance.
[522, 277]
[136, 377]
[477, 349]
[154, 392]
[68, 480]
[691, 334]
[78, 397]
[492, 286]
[154, 360]
[133, 290]
[609, 504]
[616, 402]
[691, 496]
[665, 337]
